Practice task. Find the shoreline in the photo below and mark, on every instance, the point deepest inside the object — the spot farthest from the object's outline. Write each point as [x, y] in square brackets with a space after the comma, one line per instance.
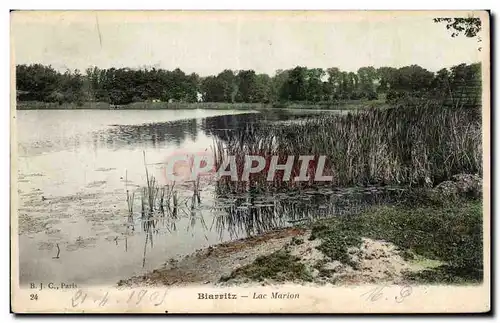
[347, 105]
[356, 249]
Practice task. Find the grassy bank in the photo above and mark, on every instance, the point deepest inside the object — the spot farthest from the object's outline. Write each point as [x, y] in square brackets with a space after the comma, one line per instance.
[417, 146]
[344, 105]
[198, 105]
[361, 104]
[36, 105]
[447, 234]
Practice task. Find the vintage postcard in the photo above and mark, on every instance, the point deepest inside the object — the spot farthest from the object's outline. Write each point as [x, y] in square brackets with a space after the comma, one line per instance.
[250, 162]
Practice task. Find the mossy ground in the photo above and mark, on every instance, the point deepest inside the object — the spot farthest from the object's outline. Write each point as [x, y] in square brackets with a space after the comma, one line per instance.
[279, 266]
[448, 235]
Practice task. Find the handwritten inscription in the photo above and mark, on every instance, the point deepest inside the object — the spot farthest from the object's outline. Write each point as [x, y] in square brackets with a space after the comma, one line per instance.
[134, 297]
[377, 293]
[374, 294]
[403, 293]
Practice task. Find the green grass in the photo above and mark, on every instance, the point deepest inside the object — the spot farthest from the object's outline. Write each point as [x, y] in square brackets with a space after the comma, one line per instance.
[198, 105]
[450, 233]
[279, 266]
[336, 105]
[446, 274]
[146, 105]
[337, 238]
[37, 105]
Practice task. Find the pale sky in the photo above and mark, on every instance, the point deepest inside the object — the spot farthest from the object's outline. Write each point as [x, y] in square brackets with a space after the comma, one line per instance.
[209, 42]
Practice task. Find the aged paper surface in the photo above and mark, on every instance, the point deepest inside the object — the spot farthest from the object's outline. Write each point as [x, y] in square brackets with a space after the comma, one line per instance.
[123, 123]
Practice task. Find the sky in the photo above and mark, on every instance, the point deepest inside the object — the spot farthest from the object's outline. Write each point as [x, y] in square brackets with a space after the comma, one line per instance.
[209, 42]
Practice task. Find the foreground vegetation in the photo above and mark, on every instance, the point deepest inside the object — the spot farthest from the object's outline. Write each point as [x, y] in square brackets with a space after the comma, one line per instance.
[450, 233]
[416, 146]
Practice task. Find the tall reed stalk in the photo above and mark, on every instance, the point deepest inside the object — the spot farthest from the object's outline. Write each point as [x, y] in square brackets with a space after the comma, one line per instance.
[417, 146]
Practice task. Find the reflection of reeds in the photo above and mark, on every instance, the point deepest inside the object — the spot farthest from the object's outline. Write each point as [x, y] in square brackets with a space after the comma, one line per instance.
[162, 198]
[144, 253]
[130, 209]
[175, 202]
[196, 189]
[143, 205]
[130, 205]
[58, 251]
[254, 215]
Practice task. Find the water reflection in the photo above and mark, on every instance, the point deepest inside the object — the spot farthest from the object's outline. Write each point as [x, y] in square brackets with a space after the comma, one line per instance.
[241, 216]
[157, 134]
[229, 125]
[254, 215]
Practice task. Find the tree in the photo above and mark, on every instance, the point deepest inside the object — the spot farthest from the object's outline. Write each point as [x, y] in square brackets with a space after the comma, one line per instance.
[263, 88]
[123, 86]
[37, 82]
[314, 84]
[296, 87]
[229, 82]
[465, 84]
[334, 82]
[348, 83]
[412, 78]
[278, 84]
[193, 87]
[213, 89]
[470, 27]
[367, 77]
[387, 77]
[246, 88]
[71, 88]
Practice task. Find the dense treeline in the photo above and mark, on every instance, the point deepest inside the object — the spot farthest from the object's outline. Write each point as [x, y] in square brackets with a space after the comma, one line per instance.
[301, 84]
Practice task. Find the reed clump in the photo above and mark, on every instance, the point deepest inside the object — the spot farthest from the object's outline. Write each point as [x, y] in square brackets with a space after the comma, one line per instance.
[416, 146]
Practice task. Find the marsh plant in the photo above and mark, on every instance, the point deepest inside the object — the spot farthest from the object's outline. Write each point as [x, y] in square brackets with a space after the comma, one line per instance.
[415, 146]
[160, 207]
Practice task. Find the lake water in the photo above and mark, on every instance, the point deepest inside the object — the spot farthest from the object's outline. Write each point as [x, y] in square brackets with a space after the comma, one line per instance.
[75, 166]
